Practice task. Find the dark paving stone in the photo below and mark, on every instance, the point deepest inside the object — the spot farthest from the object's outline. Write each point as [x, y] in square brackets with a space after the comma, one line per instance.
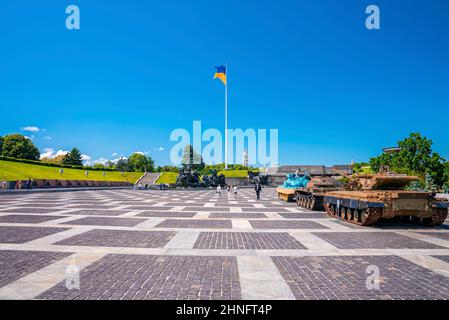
[99, 212]
[205, 223]
[52, 205]
[143, 277]
[264, 209]
[167, 214]
[92, 206]
[31, 210]
[106, 221]
[373, 240]
[11, 234]
[232, 215]
[314, 278]
[120, 238]
[19, 218]
[443, 258]
[439, 235]
[286, 224]
[240, 205]
[17, 264]
[246, 241]
[203, 209]
[303, 215]
[148, 207]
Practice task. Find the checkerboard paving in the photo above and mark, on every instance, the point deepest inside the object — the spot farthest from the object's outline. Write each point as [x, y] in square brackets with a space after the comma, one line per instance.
[154, 277]
[346, 278]
[193, 244]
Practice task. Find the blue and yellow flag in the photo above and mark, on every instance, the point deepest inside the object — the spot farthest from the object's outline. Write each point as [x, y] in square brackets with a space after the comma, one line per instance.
[221, 74]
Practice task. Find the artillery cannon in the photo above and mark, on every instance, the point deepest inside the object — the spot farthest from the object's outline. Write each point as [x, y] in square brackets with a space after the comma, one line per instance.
[368, 198]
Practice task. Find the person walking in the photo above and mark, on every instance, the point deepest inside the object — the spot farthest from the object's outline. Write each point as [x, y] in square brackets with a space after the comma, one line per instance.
[29, 184]
[235, 192]
[4, 185]
[219, 190]
[19, 185]
[258, 188]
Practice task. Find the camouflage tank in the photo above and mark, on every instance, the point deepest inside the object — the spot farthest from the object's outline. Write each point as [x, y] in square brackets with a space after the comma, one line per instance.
[371, 197]
[312, 195]
[286, 191]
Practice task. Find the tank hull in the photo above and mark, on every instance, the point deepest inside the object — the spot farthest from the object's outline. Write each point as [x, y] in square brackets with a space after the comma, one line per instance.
[286, 194]
[367, 206]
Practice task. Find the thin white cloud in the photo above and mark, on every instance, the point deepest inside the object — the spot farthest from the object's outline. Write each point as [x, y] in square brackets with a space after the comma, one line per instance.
[31, 129]
[115, 154]
[160, 149]
[85, 157]
[47, 138]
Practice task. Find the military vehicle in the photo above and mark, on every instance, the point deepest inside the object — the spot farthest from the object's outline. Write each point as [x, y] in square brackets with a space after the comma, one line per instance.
[286, 191]
[371, 197]
[311, 196]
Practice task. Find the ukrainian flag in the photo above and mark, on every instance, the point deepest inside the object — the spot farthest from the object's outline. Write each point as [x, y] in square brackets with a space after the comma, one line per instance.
[221, 73]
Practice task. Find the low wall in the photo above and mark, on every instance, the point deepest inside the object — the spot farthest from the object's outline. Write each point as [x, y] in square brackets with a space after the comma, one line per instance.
[50, 183]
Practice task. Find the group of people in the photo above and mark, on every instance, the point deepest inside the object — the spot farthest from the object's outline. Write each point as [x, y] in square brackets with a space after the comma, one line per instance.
[18, 185]
[257, 188]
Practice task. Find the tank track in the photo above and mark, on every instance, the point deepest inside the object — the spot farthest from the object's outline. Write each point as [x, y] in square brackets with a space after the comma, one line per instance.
[310, 202]
[438, 217]
[360, 217]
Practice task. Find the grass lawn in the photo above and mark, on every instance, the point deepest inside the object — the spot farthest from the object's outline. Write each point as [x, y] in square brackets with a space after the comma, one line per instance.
[167, 177]
[21, 171]
[234, 173]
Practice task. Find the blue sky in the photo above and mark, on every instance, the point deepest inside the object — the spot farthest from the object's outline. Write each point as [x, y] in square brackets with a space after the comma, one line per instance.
[139, 69]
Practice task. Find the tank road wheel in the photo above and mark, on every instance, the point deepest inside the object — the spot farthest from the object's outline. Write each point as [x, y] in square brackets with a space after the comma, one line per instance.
[312, 203]
[369, 216]
[350, 214]
[327, 208]
[357, 215]
[438, 217]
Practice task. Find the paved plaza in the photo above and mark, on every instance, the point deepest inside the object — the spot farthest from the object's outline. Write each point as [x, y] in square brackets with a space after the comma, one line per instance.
[193, 244]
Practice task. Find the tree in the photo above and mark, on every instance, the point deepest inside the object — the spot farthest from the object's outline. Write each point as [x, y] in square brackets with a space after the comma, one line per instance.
[122, 165]
[191, 158]
[73, 158]
[415, 158]
[20, 147]
[1, 145]
[446, 177]
[139, 163]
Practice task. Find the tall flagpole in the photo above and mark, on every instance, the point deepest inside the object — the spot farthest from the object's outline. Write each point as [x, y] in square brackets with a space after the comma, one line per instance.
[226, 118]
